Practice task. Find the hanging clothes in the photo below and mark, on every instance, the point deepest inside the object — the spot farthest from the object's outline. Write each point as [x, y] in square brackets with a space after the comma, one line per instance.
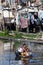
[31, 27]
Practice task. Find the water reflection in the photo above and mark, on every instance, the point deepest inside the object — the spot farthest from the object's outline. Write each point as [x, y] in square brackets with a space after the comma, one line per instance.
[24, 61]
[37, 59]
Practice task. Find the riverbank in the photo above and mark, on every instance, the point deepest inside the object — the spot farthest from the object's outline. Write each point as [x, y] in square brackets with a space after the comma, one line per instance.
[21, 35]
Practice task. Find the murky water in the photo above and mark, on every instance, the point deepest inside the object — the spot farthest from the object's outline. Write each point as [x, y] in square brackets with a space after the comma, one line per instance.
[8, 58]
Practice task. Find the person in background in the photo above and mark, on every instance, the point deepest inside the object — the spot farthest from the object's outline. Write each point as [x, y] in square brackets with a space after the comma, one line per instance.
[24, 24]
[25, 54]
[31, 23]
[25, 50]
[18, 53]
[37, 22]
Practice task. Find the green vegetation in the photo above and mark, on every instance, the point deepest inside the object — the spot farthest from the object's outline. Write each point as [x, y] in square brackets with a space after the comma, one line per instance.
[17, 34]
[4, 33]
[20, 35]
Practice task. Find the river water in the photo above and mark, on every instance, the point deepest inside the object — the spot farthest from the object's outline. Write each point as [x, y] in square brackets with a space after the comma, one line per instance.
[8, 58]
